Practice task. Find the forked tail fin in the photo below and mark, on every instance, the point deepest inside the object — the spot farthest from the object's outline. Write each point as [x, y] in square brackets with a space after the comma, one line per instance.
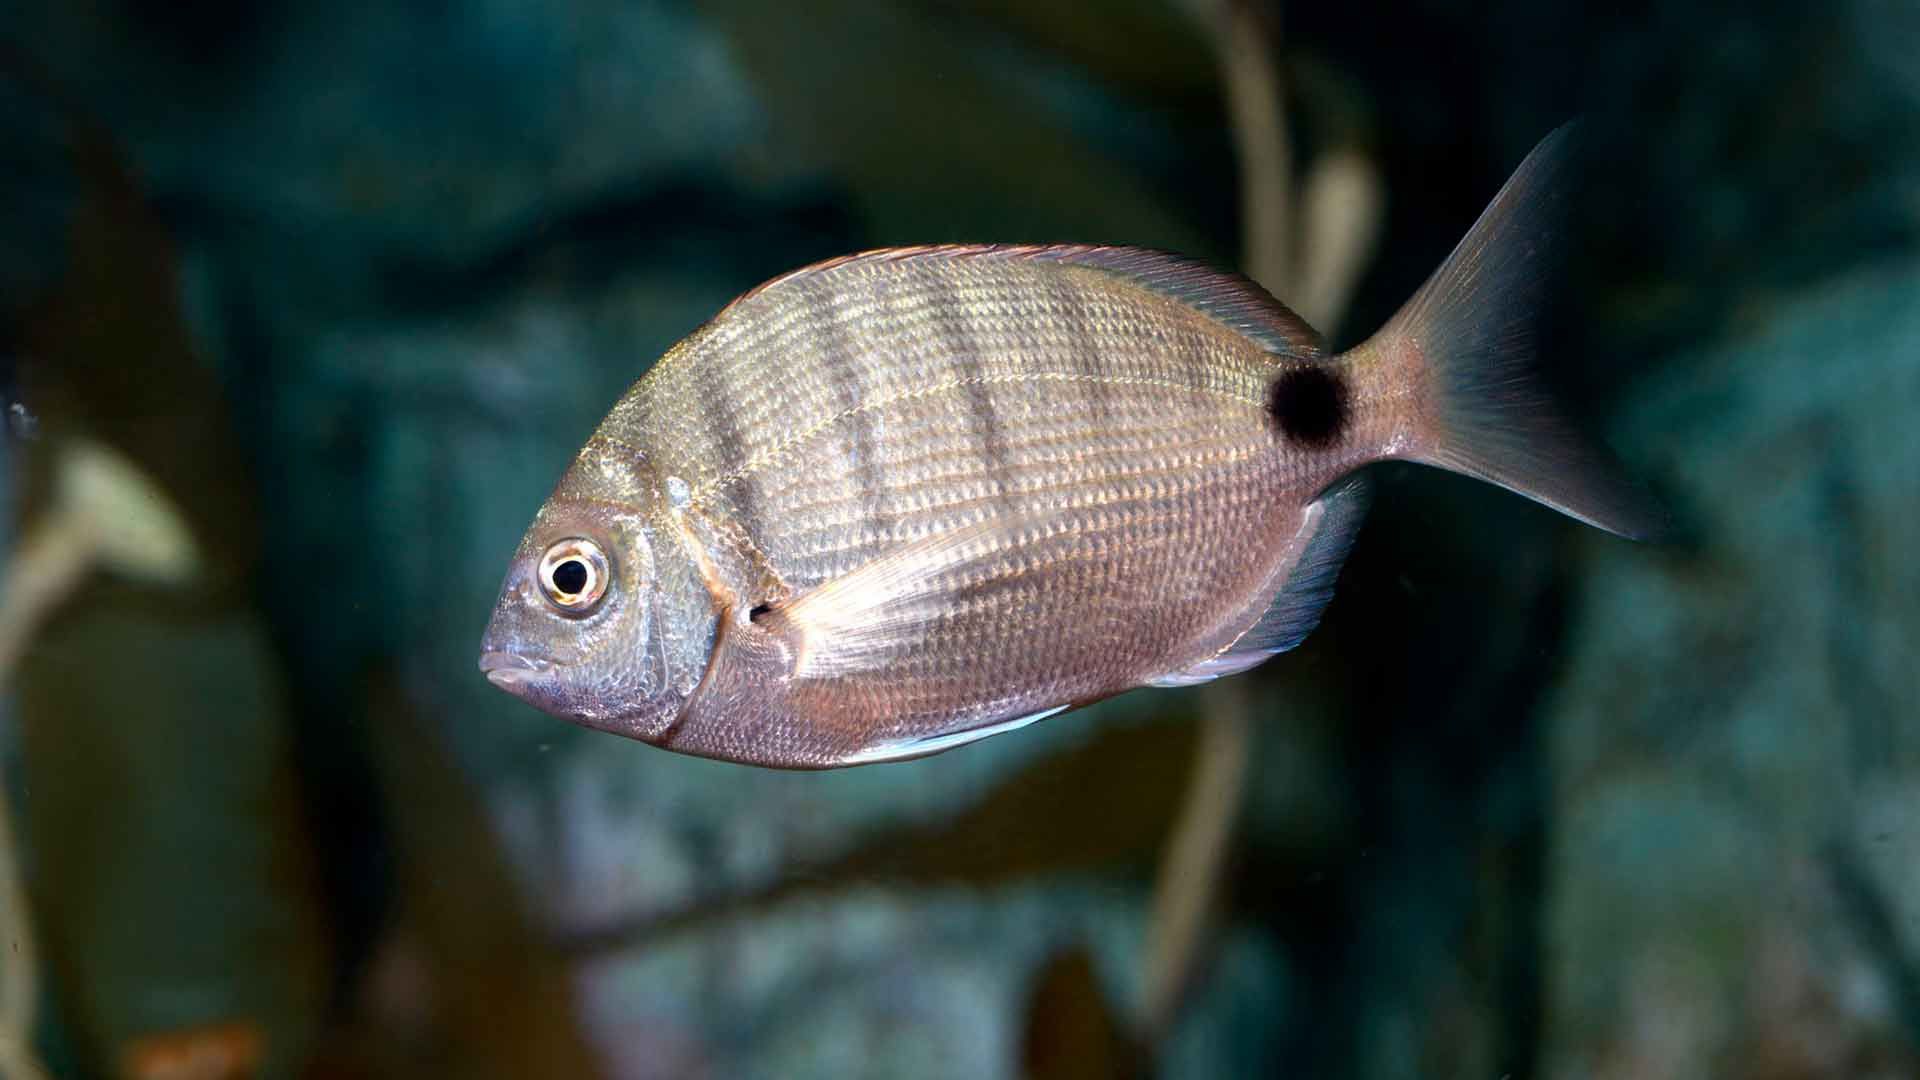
[1469, 336]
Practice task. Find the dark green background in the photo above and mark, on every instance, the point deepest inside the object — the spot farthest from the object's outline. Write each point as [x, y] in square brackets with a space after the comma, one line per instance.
[355, 280]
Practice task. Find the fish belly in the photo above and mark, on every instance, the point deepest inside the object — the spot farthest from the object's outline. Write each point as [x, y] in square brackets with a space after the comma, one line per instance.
[1062, 608]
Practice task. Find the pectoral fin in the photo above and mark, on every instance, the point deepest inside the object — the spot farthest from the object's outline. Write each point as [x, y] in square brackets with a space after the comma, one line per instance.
[866, 619]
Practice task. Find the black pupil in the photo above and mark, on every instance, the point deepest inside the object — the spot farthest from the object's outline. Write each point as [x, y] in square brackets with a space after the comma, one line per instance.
[570, 576]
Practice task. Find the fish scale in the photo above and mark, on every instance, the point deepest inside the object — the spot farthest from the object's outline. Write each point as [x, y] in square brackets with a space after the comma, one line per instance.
[895, 502]
[1012, 414]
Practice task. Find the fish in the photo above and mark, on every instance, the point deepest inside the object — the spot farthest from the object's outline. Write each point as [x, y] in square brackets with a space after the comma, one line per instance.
[899, 501]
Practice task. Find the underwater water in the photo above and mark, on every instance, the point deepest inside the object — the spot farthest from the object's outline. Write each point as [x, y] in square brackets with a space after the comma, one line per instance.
[304, 307]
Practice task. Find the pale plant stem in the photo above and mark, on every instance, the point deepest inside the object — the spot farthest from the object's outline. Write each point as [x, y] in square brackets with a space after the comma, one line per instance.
[1196, 855]
[20, 982]
[1257, 106]
[47, 565]
[1343, 203]
[1340, 212]
[1195, 858]
[56, 552]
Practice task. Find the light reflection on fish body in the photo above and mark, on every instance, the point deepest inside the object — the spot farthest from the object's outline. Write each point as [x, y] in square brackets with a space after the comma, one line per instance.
[898, 501]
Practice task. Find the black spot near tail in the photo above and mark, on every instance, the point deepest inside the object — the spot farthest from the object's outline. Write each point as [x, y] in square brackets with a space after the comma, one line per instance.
[1309, 406]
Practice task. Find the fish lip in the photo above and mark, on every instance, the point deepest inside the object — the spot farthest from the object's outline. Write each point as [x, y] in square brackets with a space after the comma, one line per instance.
[509, 670]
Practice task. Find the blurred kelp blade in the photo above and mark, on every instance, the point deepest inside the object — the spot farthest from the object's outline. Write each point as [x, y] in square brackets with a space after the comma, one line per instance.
[1071, 1030]
[103, 351]
[1146, 48]
[174, 882]
[38, 192]
[995, 167]
[448, 986]
[166, 783]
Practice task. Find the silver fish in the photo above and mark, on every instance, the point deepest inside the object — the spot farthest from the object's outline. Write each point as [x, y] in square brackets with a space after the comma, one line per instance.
[902, 500]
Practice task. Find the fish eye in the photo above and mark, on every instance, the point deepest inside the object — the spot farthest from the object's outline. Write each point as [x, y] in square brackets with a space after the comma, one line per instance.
[574, 574]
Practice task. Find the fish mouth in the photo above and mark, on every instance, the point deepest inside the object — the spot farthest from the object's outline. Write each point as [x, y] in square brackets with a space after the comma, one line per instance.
[509, 671]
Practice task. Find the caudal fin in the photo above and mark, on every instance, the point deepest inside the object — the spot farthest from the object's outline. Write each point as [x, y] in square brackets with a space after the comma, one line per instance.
[1470, 336]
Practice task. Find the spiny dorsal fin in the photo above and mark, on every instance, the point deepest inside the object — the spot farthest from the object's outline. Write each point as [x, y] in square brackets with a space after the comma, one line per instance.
[1230, 299]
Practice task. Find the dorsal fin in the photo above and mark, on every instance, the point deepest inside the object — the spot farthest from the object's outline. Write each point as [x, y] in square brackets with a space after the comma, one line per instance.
[1236, 302]
[1297, 607]
[1229, 299]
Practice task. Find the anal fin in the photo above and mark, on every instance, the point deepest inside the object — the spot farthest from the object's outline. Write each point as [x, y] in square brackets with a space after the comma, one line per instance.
[905, 749]
[1331, 523]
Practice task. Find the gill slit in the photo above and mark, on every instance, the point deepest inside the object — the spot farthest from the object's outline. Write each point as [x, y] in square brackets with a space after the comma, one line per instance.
[685, 712]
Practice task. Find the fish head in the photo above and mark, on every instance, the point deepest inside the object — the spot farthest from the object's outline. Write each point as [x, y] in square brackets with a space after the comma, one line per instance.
[601, 620]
